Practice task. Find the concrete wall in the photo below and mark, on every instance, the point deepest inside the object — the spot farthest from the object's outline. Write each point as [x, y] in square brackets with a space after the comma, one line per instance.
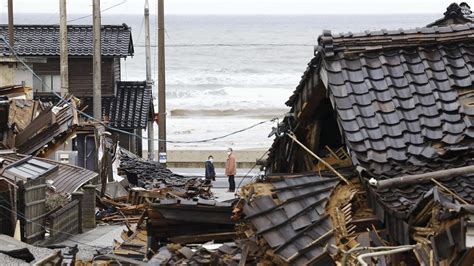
[196, 158]
[15, 74]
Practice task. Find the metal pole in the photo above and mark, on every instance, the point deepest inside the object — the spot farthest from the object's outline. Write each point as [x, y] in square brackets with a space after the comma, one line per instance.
[11, 37]
[149, 82]
[63, 48]
[161, 81]
[96, 67]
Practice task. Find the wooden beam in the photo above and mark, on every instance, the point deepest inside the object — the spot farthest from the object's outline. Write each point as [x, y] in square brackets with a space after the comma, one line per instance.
[193, 239]
[45, 119]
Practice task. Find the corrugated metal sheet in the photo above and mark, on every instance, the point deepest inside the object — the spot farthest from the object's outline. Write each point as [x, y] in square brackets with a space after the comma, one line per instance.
[66, 178]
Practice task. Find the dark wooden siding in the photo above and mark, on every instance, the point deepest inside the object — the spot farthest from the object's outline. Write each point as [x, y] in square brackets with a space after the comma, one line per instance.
[80, 74]
[116, 70]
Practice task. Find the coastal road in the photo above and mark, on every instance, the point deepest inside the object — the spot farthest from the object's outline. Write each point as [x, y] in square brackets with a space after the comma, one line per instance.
[221, 179]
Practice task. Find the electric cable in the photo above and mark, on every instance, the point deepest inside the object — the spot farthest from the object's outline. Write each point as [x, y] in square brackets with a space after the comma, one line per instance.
[102, 10]
[251, 169]
[62, 99]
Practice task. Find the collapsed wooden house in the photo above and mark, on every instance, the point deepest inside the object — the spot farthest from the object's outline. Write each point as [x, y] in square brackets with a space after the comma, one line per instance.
[127, 105]
[391, 105]
[24, 184]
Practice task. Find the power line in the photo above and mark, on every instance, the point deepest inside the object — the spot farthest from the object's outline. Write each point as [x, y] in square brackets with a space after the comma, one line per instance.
[251, 169]
[123, 131]
[103, 10]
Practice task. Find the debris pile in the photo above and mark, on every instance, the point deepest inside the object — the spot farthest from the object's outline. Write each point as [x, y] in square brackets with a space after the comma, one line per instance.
[152, 176]
[232, 253]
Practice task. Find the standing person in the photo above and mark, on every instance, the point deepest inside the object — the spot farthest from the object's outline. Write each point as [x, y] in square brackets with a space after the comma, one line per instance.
[210, 172]
[230, 169]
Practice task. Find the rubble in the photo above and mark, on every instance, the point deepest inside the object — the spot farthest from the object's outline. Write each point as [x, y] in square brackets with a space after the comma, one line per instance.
[14, 252]
[231, 253]
[153, 176]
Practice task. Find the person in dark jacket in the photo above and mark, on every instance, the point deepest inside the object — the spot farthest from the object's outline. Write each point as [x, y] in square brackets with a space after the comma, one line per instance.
[210, 172]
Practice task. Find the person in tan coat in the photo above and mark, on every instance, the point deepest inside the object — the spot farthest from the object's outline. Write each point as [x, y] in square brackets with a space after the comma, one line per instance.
[230, 169]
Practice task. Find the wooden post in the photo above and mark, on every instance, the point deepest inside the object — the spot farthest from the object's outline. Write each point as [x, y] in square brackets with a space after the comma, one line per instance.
[11, 35]
[161, 81]
[96, 67]
[63, 48]
[149, 82]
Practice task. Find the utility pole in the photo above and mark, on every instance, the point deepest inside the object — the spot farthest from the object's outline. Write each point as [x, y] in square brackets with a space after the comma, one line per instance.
[149, 82]
[63, 48]
[161, 83]
[11, 36]
[96, 66]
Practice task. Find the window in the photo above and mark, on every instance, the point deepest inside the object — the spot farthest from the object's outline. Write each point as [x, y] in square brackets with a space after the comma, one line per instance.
[48, 83]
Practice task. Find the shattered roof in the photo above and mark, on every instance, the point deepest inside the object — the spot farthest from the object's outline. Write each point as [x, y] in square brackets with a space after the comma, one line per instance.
[404, 103]
[50, 126]
[132, 105]
[294, 221]
[43, 40]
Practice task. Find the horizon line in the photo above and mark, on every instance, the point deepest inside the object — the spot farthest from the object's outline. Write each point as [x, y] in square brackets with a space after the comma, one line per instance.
[246, 14]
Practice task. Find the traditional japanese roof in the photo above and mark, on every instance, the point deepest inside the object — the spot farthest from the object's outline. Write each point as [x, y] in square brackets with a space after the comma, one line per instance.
[132, 106]
[404, 104]
[43, 40]
[455, 14]
[402, 98]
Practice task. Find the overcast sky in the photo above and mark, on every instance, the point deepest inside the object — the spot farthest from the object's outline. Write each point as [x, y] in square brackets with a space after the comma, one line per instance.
[240, 6]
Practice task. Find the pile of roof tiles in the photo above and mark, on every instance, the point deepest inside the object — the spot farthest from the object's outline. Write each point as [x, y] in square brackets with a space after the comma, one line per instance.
[291, 219]
[152, 175]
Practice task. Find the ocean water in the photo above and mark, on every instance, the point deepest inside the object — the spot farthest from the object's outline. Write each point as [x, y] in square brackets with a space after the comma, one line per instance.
[224, 73]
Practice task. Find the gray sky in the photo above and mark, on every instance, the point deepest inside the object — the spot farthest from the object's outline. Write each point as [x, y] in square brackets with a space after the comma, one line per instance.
[241, 6]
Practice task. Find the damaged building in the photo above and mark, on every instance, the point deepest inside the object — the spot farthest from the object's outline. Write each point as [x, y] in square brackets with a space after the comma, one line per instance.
[387, 118]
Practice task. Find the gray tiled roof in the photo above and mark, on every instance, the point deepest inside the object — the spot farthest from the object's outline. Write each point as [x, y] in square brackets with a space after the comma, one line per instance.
[293, 220]
[404, 104]
[399, 107]
[43, 40]
[132, 105]
[395, 95]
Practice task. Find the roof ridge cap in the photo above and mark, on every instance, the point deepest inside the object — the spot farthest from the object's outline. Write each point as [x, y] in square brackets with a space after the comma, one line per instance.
[329, 43]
